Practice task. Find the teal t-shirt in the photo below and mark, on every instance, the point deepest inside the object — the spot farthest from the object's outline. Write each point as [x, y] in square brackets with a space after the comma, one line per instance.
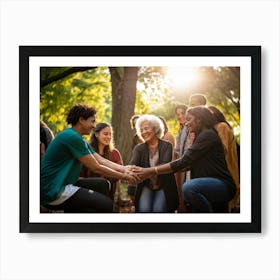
[60, 165]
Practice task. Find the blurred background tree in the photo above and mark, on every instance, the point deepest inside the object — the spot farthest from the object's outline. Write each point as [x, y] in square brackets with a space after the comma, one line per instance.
[120, 92]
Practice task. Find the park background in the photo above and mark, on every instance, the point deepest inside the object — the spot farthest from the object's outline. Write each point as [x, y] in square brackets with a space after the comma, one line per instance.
[132, 256]
[117, 93]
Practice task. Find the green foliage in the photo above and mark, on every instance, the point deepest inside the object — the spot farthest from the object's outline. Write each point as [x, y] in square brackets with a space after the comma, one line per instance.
[49, 72]
[91, 87]
[222, 87]
[155, 94]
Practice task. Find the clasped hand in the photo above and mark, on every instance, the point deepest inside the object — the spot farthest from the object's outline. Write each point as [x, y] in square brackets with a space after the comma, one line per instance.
[139, 174]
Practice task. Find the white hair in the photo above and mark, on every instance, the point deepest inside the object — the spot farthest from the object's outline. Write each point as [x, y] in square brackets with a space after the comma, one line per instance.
[154, 121]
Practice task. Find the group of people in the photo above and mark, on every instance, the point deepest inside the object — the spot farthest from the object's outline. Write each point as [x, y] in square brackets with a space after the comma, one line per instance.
[198, 169]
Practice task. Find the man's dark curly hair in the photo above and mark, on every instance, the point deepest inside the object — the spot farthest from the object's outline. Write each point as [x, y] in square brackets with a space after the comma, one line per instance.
[80, 111]
[203, 114]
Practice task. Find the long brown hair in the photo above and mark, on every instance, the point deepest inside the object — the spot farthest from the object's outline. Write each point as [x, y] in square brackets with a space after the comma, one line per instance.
[94, 140]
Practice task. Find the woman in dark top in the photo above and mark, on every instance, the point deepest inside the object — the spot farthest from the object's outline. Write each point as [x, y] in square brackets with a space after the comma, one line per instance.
[210, 181]
[158, 194]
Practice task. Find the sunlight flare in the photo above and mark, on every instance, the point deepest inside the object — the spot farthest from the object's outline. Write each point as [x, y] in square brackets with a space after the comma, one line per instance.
[181, 77]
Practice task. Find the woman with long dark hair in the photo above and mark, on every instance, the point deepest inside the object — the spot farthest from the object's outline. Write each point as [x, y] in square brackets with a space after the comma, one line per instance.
[210, 180]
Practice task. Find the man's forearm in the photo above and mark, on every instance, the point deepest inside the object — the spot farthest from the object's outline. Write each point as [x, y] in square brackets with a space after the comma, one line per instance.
[108, 163]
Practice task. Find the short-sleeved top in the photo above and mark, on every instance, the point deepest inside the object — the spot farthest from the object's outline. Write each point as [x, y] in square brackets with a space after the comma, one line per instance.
[60, 165]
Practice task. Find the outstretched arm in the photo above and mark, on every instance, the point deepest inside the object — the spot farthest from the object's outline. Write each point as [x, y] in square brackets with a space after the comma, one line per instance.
[108, 168]
[145, 173]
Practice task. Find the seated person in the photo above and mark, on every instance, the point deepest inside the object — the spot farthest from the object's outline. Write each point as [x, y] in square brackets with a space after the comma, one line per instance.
[101, 141]
[158, 194]
[210, 181]
[62, 162]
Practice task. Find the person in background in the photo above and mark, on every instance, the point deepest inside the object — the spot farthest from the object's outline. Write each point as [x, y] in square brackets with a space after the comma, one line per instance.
[158, 194]
[197, 99]
[211, 181]
[167, 135]
[181, 146]
[46, 136]
[136, 140]
[61, 167]
[226, 134]
[101, 140]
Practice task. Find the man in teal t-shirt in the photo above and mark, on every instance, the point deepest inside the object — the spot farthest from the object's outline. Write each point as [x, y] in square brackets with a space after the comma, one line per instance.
[60, 165]
[62, 162]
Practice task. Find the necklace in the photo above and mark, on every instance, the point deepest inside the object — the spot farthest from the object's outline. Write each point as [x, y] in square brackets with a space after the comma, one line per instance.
[153, 150]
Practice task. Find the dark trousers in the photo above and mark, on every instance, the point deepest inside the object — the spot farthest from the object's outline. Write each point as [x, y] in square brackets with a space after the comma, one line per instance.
[96, 184]
[90, 198]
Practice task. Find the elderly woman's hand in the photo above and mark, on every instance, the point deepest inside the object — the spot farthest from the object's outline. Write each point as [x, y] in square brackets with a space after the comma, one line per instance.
[130, 176]
[145, 173]
[130, 167]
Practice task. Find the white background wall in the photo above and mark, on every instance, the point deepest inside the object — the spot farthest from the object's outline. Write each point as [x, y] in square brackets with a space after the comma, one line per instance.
[138, 256]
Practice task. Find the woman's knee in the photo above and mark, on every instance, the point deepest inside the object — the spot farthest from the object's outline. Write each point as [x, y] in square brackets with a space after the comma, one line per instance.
[188, 189]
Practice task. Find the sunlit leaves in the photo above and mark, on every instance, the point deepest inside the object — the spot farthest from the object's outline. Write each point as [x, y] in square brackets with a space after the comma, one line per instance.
[90, 87]
[154, 94]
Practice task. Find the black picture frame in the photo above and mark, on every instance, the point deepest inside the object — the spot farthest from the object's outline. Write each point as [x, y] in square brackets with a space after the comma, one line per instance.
[252, 52]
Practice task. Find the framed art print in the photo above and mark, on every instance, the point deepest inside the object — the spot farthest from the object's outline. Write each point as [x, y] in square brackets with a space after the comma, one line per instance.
[122, 81]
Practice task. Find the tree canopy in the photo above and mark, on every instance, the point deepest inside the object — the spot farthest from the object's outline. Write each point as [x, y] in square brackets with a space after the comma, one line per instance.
[119, 92]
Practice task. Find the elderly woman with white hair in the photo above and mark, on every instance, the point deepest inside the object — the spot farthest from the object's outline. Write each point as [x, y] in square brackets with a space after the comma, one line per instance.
[157, 194]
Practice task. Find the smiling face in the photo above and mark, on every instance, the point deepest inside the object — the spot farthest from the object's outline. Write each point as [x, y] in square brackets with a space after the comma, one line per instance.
[104, 136]
[181, 116]
[147, 132]
[192, 123]
[87, 125]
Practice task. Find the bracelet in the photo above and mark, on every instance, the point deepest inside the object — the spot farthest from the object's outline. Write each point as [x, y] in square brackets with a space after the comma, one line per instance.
[156, 170]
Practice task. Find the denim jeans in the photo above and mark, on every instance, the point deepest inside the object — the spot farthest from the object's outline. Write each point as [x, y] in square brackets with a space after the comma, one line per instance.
[202, 193]
[151, 201]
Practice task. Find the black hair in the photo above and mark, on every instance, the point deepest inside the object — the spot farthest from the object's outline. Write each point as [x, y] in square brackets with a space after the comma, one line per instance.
[218, 115]
[80, 111]
[204, 115]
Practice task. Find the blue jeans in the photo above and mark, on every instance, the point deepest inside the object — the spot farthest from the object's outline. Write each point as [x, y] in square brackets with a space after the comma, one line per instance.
[152, 201]
[202, 193]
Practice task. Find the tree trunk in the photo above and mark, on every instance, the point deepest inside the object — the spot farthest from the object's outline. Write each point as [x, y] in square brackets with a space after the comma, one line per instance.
[123, 103]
